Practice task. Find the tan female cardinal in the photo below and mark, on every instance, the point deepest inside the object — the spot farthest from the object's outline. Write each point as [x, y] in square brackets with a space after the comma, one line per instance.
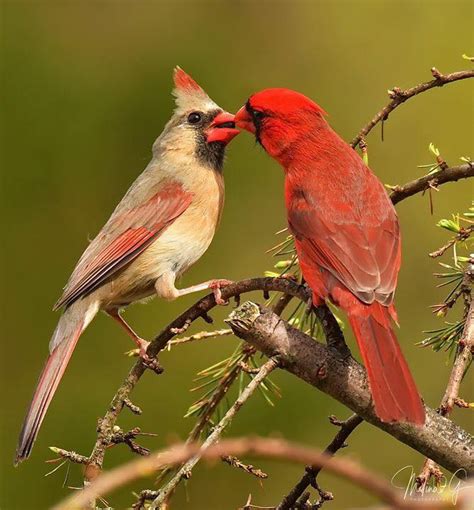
[346, 234]
[164, 223]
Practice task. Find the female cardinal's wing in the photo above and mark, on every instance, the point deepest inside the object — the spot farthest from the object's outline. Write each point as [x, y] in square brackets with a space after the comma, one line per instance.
[130, 230]
[355, 237]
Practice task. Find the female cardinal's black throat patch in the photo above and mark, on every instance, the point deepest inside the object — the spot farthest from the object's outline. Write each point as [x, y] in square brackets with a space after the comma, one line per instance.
[211, 154]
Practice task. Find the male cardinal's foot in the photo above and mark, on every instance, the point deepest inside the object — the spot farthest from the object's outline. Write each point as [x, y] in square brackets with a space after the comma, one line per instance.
[215, 286]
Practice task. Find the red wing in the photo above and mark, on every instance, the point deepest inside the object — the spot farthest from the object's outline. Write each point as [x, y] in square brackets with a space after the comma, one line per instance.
[126, 235]
[361, 249]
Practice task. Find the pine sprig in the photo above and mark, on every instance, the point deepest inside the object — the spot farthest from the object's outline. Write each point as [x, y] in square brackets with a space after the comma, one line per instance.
[219, 377]
[437, 164]
[303, 316]
[218, 381]
[445, 338]
[457, 278]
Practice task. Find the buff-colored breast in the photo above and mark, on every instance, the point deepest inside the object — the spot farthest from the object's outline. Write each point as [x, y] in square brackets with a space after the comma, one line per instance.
[179, 246]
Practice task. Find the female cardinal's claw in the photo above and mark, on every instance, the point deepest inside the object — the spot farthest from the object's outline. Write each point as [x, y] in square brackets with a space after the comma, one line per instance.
[148, 361]
[142, 347]
[216, 285]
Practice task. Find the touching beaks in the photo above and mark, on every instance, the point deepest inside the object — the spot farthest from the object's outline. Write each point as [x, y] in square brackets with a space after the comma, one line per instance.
[244, 120]
[222, 129]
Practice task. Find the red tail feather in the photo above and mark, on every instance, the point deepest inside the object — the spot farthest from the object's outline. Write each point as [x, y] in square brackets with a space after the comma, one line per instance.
[47, 385]
[393, 389]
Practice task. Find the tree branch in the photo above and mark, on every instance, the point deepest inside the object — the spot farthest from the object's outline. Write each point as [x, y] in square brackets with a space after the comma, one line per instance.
[202, 335]
[203, 306]
[271, 448]
[399, 96]
[450, 174]
[461, 363]
[233, 461]
[309, 478]
[346, 381]
[463, 235]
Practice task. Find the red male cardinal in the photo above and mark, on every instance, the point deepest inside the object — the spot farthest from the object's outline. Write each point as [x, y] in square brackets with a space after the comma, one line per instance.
[163, 225]
[346, 233]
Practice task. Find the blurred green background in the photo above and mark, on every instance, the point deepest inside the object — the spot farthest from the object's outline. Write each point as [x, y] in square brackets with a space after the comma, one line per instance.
[86, 90]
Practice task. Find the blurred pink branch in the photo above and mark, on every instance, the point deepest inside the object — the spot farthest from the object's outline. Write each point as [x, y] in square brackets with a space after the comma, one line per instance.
[272, 448]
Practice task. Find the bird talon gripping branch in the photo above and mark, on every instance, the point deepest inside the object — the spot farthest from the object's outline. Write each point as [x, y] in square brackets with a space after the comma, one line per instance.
[215, 286]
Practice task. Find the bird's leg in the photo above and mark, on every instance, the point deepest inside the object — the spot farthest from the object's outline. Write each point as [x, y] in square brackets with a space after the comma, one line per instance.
[166, 289]
[141, 343]
[214, 285]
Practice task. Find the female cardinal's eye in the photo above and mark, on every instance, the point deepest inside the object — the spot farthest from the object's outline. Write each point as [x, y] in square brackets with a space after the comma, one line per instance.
[194, 117]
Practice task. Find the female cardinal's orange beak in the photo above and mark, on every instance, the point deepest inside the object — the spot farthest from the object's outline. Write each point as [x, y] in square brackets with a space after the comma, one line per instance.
[222, 129]
[243, 120]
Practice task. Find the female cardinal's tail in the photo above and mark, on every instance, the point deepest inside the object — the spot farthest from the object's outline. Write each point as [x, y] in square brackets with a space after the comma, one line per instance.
[71, 324]
[393, 389]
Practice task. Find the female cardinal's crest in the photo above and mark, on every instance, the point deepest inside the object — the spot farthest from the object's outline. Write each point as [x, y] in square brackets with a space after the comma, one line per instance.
[183, 81]
[188, 94]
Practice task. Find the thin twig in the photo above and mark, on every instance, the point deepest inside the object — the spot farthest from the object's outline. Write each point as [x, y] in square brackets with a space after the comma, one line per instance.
[69, 455]
[215, 435]
[463, 358]
[399, 96]
[202, 335]
[145, 495]
[128, 438]
[450, 174]
[257, 446]
[233, 461]
[309, 478]
[135, 409]
[281, 304]
[464, 233]
[332, 331]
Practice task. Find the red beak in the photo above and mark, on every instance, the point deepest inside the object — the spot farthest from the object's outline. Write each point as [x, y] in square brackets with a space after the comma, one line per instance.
[222, 129]
[244, 120]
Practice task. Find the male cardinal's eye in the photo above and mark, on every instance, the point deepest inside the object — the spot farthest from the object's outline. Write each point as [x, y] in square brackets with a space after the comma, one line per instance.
[194, 117]
[258, 115]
